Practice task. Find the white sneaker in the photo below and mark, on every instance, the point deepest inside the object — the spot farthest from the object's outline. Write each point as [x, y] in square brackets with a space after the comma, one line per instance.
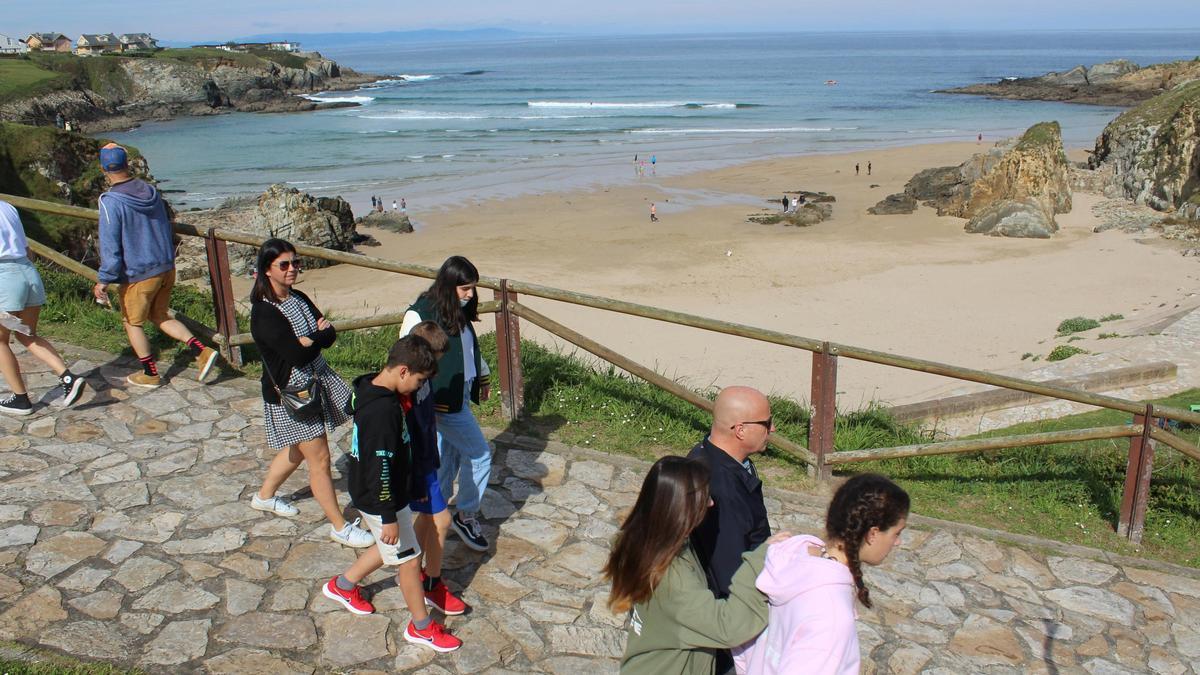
[277, 505]
[352, 535]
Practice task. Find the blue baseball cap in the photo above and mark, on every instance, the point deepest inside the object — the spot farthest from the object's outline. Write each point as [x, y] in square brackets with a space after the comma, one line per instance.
[113, 159]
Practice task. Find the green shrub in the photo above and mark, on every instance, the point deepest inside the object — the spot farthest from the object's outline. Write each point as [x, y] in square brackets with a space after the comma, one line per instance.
[1105, 336]
[1077, 324]
[1065, 352]
[1112, 317]
[1027, 355]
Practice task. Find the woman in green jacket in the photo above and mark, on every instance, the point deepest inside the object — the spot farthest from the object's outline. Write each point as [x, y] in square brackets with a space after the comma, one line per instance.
[675, 623]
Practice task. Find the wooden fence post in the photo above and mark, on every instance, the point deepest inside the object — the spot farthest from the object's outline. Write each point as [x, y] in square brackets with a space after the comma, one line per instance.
[508, 353]
[1132, 521]
[222, 293]
[822, 424]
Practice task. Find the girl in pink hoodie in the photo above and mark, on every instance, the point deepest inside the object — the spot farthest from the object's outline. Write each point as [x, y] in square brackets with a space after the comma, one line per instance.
[812, 584]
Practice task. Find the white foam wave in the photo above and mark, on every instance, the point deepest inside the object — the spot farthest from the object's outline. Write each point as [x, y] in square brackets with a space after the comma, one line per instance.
[330, 98]
[418, 78]
[768, 130]
[424, 115]
[641, 104]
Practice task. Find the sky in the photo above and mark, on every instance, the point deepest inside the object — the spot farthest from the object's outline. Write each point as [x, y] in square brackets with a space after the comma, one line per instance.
[227, 19]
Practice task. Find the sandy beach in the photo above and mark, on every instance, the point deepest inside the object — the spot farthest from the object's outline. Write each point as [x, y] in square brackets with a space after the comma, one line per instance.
[909, 284]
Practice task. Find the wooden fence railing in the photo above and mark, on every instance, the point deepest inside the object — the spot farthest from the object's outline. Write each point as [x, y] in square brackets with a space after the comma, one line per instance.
[1143, 433]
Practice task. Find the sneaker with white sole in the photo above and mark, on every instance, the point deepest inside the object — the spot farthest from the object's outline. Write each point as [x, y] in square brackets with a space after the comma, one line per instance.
[277, 505]
[352, 535]
[468, 529]
[434, 637]
[351, 599]
[17, 404]
[205, 362]
[72, 387]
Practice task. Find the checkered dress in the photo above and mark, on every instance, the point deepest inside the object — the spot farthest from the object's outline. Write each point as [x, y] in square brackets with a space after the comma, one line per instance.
[282, 430]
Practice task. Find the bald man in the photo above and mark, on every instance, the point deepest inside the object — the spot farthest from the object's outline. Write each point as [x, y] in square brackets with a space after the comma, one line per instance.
[737, 521]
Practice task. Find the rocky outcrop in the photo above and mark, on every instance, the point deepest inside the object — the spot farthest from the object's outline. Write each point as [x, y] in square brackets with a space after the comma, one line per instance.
[282, 212]
[387, 220]
[1153, 151]
[54, 165]
[897, 204]
[817, 208]
[1115, 83]
[119, 92]
[1025, 172]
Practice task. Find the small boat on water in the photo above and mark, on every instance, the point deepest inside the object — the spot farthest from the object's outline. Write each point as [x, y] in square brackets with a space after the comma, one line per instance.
[831, 82]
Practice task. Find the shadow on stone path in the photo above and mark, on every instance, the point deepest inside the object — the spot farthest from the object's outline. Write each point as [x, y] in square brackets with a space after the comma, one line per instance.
[125, 536]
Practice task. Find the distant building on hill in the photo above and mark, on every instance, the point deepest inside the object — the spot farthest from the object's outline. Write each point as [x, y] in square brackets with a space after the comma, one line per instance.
[11, 46]
[97, 43]
[132, 42]
[288, 46]
[48, 42]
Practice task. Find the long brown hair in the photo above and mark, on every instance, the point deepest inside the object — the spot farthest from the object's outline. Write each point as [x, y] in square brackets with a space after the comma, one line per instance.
[865, 501]
[673, 501]
[456, 271]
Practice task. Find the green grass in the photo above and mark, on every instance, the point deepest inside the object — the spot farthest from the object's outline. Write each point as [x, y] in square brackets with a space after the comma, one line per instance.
[21, 78]
[1067, 492]
[1077, 324]
[1111, 317]
[19, 659]
[1063, 352]
[1108, 336]
[285, 59]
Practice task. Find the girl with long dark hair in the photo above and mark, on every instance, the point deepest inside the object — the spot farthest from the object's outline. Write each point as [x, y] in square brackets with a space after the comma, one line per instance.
[462, 378]
[675, 622]
[812, 584]
[290, 333]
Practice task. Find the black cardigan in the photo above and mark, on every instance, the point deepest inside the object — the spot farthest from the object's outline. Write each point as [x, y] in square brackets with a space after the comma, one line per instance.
[280, 347]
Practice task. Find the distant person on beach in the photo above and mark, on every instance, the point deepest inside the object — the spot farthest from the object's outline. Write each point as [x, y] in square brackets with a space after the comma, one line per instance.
[653, 213]
[394, 205]
[979, 139]
[381, 483]
[403, 205]
[737, 521]
[812, 584]
[433, 515]
[137, 251]
[462, 378]
[59, 121]
[868, 168]
[290, 333]
[653, 162]
[373, 203]
[21, 298]
[856, 168]
[785, 203]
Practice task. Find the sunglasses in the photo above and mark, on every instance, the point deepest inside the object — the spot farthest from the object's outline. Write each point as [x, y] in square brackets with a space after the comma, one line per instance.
[767, 423]
[285, 265]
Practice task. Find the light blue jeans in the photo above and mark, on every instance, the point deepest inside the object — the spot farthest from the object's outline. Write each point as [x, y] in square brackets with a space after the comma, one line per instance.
[465, 454]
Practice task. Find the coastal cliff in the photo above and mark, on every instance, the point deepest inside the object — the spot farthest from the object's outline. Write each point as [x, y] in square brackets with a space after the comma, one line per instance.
[1115, 83]
[111, 92]
[1153, 152]
[1014, 189]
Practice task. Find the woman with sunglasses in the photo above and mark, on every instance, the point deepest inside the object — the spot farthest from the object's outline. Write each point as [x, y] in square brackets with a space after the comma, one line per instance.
[675, 622]
[290, 333]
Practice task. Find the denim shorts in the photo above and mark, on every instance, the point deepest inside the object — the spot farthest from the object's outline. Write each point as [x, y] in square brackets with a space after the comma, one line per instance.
[436, 502]
[20, 285]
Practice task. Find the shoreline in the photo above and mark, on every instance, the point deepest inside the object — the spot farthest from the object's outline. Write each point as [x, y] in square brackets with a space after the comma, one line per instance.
[910, 284]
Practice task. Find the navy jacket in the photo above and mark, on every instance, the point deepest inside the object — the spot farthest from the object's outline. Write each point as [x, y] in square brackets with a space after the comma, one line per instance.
[737, 521]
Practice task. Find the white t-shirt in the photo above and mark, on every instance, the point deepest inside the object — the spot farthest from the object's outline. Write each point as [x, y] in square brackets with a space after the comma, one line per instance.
[12, 233]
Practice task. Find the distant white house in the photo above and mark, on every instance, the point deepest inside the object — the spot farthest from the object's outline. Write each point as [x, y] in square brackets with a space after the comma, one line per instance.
[250, 46]
[10, 46]
[284, 46]
[131, 42]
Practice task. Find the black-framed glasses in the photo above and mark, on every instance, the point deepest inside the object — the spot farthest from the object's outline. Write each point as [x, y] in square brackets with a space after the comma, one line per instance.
[285, 265]
[767, 423]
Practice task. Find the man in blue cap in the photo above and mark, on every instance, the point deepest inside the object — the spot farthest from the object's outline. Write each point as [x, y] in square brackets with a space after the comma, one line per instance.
[137, 251]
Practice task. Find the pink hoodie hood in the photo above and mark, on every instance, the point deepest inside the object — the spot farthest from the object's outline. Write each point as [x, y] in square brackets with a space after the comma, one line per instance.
[811, 624]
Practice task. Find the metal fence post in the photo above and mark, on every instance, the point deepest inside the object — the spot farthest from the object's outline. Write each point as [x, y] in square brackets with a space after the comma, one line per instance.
[822, 424]
[222, 293]
[508, 353]
[1132, 521]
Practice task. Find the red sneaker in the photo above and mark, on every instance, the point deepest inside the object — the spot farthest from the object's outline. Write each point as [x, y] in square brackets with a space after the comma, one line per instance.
[441, 599]
[351, 599]
[435, 637]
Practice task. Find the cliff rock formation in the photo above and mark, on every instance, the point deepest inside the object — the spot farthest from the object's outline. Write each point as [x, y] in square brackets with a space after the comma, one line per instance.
[118, 92]
[1026, 179]
[387, 220]
[282, 212]
[1153, 152]
[1115, 83]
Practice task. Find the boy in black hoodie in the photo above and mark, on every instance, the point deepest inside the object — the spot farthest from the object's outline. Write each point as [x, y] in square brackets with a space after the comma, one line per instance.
[382, 483]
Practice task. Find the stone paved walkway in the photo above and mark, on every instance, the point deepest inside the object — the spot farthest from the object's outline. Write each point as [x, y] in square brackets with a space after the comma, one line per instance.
[125, 536]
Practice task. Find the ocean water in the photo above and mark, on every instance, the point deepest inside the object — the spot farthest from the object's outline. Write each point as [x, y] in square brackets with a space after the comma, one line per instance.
[489, 119]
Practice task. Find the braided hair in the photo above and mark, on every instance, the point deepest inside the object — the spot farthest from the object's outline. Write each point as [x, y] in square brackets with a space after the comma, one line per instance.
[861, 503]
